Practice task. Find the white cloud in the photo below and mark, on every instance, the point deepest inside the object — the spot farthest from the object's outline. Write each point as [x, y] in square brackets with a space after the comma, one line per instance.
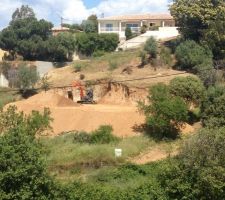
[118, 7]
[7, 7]
[76, 10]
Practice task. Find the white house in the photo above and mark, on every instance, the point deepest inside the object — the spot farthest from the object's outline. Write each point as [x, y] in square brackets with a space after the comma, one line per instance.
[157, 25]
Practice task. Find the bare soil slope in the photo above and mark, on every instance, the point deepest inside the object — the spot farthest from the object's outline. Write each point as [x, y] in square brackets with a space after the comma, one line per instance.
[70, 116]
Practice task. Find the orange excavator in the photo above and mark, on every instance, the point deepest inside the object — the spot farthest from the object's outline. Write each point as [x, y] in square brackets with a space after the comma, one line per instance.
[84, 98]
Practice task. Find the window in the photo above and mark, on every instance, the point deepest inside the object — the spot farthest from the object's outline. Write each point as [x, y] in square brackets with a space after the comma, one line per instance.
[109, 27]
[133, 27]
[152, 24]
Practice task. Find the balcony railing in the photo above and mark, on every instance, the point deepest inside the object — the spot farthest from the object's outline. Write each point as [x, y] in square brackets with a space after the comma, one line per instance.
[109, 29]
[116, 29]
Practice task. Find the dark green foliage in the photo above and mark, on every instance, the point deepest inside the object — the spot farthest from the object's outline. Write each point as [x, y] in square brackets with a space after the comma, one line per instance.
[82, 137]
[90, 25]
[189, 88]
[98, 53]
[151, 47]
[22, 170]
[165, 56]
[27, 76]
[198, 172]
[202, 21]
[191, 55]
[213, 107]
[166, 114]
[87, 44]
[144, 59]
[103, 135]
[128, 33]
[144, 28]
[24, 12]
[61, 47]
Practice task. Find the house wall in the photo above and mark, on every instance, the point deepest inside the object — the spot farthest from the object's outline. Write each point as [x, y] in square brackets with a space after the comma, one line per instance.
[3, 81]
[104, 23]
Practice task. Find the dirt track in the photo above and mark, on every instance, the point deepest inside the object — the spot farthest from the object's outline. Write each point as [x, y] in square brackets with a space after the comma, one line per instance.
[70, 116]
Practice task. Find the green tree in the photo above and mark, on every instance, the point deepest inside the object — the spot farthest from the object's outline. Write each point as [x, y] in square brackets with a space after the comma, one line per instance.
[151, 47]
[165, 114]
[202, 21]
[22, 169]
[189, 88]
[213, 107]
[27, 76]
[21, 13]
[128, 33]
[190, 55]
[165, 56]
[199, 170]
[91, 24]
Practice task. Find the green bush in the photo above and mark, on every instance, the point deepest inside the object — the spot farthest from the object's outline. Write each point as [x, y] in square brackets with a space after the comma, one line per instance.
[82, 137]
[77, 67]
[27, 76]
[166, 114]
[88, 43]
[144, 29]
[165, 56]
[189, 88]
[144, 59]
[191, 55]
[22, 169]
[128, 33]
[98, 53]
[151, 47]
[213, 107]
[113, 64]
[103, 135]
[199, 171]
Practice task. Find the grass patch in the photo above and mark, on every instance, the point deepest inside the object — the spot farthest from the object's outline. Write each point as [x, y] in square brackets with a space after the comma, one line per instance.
[68, 159]
[7, 96]
[108, 61]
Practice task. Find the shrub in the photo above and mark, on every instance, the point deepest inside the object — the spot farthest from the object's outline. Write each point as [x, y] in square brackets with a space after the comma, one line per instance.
[98, 53]
[166, 114]
[213, 107]
[151, 47]
[82, 137]
[189, 88]
[144, 29]
[23, 174]
[191, 55]
[103, 135]
[198, 172]
[113, 65]
[77, 67]
[88, 43]
[27, 76]
[165, 56]
[144, 59]
[128, 33]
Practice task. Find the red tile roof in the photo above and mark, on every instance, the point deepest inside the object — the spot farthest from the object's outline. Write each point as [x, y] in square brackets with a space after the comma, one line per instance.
[164, 16]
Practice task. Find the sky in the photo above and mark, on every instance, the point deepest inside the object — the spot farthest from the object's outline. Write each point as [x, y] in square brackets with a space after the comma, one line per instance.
[77, 10]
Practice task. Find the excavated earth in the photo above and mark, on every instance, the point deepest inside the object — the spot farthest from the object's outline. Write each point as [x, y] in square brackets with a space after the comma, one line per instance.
[116, 106]
[69, 116]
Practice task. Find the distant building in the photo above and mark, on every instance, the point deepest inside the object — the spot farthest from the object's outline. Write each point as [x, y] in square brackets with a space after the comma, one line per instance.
[57, 30]
[152, 22]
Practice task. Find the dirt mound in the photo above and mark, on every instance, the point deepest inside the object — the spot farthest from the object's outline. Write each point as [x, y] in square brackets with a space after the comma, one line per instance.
[49, 99]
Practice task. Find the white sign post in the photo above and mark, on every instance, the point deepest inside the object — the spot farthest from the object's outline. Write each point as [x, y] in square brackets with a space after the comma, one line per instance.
[118, 153]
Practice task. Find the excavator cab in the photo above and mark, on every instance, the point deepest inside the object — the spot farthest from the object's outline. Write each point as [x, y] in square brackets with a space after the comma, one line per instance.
[87, 98]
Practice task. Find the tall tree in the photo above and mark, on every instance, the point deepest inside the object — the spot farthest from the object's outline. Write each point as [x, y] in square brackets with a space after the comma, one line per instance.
[22, 13]
[202, 21]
